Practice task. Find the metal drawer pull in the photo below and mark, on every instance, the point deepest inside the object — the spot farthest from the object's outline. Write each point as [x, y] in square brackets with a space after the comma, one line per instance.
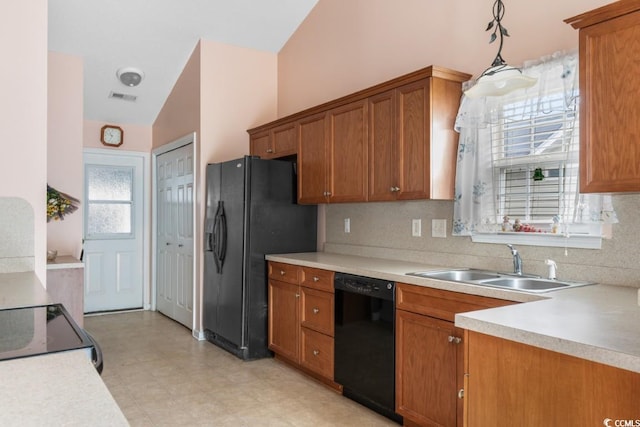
[455, 340]
[269, 150]
[315, 278]
[316, 352]
[180, 245]
[297, 295]
[316, 310]
[461, 393]
[282, 272]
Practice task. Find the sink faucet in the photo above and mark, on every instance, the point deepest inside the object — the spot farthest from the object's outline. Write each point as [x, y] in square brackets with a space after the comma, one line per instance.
[517, 261]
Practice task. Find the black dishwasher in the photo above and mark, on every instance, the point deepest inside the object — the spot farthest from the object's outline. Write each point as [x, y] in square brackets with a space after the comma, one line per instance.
[364, 341]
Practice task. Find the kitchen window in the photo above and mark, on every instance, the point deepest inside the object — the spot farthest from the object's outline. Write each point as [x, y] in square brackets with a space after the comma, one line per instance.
[518, 165]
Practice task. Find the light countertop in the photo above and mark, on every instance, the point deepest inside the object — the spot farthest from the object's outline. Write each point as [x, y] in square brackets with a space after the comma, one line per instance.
[598, 322]
[56, 389]
[59, 388]
[64, 261]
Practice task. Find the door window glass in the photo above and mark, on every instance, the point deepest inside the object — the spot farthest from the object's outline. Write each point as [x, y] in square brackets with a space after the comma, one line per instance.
[109, 201]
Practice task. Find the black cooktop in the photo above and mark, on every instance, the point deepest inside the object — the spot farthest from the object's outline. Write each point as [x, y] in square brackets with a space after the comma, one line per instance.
[31, 331]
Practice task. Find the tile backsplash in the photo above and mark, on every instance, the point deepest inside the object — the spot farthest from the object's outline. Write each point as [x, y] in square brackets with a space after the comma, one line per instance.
[16, 235]
[383, 230]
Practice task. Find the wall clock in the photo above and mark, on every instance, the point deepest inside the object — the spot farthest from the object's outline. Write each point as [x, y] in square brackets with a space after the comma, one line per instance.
[111, 136]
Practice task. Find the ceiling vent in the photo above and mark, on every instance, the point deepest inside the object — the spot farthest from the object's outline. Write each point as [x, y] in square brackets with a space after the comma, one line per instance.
[123, 96]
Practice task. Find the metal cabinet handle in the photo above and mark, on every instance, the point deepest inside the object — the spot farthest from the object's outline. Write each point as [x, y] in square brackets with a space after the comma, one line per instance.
[269, 150]
[282, 272]
[316, 352]
[394, 189]
[180, 245]
[168, 244]
[315, 278]
[461, 393]
[454, 340]
[316, 310]
[327, 193]
[297, 295]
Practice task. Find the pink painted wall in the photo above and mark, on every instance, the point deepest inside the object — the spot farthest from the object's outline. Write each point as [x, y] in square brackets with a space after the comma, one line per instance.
[136, 137]
[23, 113]
[347, 45]
[180, 114]
[64, 147]
[222, 91]
[238, 91]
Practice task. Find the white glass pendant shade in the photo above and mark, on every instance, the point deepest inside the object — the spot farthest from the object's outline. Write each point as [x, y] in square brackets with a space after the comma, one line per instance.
[499, 80]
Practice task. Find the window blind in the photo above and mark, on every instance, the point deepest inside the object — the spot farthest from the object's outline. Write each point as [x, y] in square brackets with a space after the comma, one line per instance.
[535, 160]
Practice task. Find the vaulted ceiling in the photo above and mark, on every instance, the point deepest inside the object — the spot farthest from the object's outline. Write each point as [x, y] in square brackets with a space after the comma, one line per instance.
[157, 37]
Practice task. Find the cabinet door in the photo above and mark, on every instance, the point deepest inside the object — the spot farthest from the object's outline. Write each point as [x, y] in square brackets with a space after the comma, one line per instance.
[383, 164]
[312, 160]
[427, 363]
[284, 319]
[609, 105]
[413, 138]
[285, 139]
[510, 383]
[347, 145]
[260, 145]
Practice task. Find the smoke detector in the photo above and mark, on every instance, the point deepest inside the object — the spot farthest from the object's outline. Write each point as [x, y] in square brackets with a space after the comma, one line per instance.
[130, 76]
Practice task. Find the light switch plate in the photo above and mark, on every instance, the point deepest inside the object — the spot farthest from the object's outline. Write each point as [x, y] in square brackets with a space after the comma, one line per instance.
[438, 228]
[416, 227]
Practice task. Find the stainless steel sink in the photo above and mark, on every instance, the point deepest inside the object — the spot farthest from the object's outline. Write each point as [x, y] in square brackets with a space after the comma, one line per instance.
[527, 284]
[500, 280]
[458, 275]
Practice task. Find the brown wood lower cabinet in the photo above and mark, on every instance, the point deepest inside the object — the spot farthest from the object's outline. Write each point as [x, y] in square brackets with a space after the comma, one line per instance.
[427, 369]
[515, 384]
[284, 319]
[430, 353]
[301, 316]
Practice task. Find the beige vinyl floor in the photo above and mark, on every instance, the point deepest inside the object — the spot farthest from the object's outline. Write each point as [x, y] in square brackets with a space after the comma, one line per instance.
[161, 376]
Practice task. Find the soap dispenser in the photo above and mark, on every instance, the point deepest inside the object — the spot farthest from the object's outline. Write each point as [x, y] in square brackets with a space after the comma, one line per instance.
[551, 264]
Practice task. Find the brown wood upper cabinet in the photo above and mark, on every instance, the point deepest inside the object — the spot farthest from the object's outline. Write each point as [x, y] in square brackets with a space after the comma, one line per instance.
[279, 141]
[412, 144]
[609, 103]
[392, 141]
[332, 154]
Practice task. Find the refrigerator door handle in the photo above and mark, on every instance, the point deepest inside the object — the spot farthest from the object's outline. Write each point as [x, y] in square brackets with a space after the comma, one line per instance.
[223, 237]
[219, 237]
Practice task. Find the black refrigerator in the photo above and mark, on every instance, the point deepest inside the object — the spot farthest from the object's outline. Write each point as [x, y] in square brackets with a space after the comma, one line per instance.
[251, 211]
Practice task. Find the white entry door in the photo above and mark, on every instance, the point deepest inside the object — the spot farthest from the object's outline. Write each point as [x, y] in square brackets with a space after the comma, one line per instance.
[113, 231]
[175, 228]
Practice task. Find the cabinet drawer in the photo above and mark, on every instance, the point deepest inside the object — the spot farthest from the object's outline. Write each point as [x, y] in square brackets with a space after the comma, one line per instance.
[441, 304]
[317, 279]
[317, 352]
[317, 310]
[283, 272]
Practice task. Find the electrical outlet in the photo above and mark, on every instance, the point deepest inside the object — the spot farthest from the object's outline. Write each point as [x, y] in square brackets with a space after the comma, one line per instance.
[438, 228]
[347, 225]
[416, 227]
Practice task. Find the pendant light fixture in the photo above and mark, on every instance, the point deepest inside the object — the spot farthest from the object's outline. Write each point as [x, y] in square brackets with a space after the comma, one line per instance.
[500, 78]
